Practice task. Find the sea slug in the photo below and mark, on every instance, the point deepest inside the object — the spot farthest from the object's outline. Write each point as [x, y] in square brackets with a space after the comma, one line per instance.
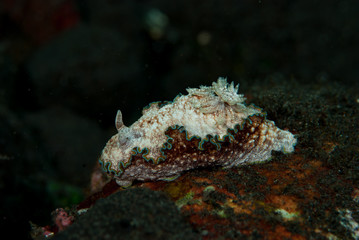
[208, 127]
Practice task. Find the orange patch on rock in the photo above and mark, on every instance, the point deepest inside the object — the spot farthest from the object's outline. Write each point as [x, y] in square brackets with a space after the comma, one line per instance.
[281, 232]
[288, 203]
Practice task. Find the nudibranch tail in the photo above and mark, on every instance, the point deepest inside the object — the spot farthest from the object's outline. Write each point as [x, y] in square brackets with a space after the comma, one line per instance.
[211, 126]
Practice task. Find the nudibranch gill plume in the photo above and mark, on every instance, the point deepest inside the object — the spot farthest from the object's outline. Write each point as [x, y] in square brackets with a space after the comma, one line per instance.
[211, 126]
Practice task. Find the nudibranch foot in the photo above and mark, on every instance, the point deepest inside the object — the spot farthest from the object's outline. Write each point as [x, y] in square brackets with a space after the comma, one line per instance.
[124, 183]
[170, 178]
[211, 126]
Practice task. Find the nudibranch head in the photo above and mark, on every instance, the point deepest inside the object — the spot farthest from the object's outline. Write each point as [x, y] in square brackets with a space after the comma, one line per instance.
[210, 126]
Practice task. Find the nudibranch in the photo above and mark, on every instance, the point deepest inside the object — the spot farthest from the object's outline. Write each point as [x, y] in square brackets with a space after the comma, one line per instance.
[211, 126]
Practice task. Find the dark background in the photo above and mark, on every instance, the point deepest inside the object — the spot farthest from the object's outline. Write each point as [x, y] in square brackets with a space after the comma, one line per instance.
[66, 66]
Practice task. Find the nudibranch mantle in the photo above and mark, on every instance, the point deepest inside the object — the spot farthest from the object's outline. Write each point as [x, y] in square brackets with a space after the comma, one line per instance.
[210, 126]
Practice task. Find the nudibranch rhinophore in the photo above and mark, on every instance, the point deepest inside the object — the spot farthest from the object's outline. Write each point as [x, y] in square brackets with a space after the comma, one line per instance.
[211, 126]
